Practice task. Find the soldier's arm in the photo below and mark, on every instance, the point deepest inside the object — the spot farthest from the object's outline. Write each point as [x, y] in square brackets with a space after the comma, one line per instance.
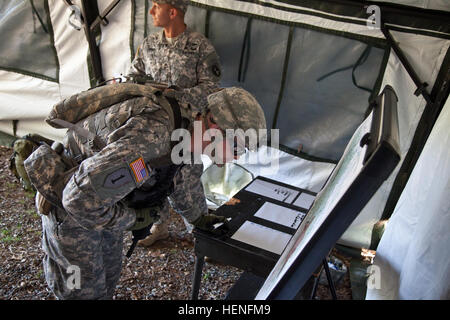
[209, 72]
[188, 197]
[92, 195]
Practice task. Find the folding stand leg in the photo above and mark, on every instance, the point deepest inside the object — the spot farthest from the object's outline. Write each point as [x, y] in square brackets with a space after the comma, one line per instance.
[199, 262]
[330, 280]
[316, 284]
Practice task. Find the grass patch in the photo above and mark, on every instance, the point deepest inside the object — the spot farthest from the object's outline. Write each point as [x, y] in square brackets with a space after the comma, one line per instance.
[6, 236]
[30, 194]
[11, 185]
[206, 276]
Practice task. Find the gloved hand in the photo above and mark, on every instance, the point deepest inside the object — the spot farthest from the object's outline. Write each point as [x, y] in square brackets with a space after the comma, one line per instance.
[207, 222]
[141, 227]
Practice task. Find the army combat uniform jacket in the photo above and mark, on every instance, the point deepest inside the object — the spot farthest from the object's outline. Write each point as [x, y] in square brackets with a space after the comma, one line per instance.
[191, 64]
[83, 233]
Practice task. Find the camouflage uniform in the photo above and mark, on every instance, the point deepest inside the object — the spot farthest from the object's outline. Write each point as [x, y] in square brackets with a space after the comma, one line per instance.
[192, 65]
[85, 227]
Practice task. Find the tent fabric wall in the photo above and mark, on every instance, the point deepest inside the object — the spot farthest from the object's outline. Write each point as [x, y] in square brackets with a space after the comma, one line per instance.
[129, 22]
[114, 45]
[413, 260]
[427, 54]
[409, 109]
[276, 164]
[308, 74]
[18, 96]
[31, 126]
[72, 50]
[428, 4]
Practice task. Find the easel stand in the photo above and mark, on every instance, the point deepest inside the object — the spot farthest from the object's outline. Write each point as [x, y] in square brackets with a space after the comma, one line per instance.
[252, 283]
[329, 279]
[229, 251]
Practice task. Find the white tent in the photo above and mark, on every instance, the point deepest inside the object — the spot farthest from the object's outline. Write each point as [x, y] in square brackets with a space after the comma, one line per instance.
[313, 65]
[419, 266]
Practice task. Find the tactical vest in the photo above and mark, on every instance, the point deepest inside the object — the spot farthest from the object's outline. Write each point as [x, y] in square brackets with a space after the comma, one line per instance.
[101, 108]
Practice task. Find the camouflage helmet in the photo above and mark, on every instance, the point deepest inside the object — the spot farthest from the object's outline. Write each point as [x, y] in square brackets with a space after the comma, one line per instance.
[235, 108]
[179, 4]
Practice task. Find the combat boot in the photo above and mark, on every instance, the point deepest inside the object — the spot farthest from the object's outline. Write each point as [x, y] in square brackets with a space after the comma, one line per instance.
[157, 232]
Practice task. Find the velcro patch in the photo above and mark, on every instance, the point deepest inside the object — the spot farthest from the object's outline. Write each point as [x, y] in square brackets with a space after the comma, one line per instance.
[139, 169]
[111, 180]
[118, 178]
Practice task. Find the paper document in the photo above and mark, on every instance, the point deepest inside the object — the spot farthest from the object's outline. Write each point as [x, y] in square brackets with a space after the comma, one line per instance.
[304, 200]
[272, 191]
[278, 214]
[262, 237]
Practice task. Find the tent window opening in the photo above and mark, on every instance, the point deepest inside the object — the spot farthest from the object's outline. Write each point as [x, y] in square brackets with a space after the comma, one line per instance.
[313, 84]
[27, 39]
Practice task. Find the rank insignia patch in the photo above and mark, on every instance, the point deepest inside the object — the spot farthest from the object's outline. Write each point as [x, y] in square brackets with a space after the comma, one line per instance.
[139, 169]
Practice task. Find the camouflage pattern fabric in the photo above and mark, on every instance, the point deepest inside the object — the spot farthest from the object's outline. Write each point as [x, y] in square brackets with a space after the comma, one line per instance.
[180, 4]
[85, 103]
[188, 198]
[236, 108]
[71, 251]
[88, 234]
[191, 64]
[106, 177]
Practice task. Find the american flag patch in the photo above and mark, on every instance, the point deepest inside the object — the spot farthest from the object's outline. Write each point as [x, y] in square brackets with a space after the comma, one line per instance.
[139, 169]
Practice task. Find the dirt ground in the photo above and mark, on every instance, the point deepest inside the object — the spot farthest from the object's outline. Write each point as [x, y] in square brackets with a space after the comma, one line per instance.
[163, 272]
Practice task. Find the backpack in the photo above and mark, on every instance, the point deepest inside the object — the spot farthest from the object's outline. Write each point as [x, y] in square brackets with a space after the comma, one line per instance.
[22, 148]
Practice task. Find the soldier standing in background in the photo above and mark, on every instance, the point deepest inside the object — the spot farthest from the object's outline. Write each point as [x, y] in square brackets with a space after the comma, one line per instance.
[187, 62]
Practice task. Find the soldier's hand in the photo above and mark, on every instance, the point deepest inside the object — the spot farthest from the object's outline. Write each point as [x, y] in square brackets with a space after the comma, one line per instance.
[207, 222]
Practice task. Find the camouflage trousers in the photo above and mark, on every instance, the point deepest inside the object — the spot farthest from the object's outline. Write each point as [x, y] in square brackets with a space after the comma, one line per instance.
[188, 198]
[80, 263]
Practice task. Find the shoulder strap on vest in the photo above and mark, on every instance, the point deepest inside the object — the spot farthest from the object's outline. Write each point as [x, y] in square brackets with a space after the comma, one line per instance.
[176, 112]
[85, 103]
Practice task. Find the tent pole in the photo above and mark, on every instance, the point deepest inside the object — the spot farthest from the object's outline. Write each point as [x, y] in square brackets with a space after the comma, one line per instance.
[90, 13]
[421, 86]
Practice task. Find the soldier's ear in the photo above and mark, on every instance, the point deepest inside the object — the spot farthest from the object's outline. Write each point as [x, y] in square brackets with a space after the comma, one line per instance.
[173, 13]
